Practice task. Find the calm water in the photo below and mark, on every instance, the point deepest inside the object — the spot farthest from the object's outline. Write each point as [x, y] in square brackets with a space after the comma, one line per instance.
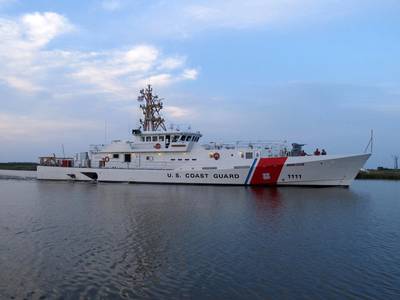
[80, 240]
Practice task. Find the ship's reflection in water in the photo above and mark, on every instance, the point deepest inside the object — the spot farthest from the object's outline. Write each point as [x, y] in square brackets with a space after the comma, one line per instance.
[271, 197]
[65, 240]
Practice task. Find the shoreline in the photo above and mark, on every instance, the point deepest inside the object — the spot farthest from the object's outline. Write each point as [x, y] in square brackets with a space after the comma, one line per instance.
[387, 174]
[18, 166]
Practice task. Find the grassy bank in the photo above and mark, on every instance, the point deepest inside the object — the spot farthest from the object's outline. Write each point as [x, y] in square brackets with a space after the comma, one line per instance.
[390, 174]
[19, 166]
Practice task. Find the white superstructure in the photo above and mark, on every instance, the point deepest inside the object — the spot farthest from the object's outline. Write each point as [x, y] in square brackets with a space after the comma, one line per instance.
[158, 155]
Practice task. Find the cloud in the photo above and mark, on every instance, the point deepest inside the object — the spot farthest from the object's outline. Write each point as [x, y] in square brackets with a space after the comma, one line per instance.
[21, 84]
[21, 49]
[172, 63]
[41, 28]
[28, 64]
[252, 13]
[178, 112]
[165, 79]
[16, 127]
[122, 72]
[184, 18]
[158, 80]
[141, 57]
[111, 5]
[189, 74]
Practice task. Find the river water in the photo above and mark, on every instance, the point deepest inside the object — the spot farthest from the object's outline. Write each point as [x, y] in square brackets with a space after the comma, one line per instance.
[82, 240]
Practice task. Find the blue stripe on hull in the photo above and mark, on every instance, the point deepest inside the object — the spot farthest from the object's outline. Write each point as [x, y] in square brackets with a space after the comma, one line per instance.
[250, 171]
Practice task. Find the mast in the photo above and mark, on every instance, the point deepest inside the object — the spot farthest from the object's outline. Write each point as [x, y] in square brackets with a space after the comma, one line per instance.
[151, 110]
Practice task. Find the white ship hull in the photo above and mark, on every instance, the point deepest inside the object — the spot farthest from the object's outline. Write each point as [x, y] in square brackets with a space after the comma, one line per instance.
[327, 170]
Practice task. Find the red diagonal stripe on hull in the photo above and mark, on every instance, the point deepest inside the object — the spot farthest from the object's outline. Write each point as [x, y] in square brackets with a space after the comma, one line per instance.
[268, 170]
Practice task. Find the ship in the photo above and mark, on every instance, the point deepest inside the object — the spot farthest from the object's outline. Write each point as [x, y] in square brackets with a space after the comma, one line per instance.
[155, 154]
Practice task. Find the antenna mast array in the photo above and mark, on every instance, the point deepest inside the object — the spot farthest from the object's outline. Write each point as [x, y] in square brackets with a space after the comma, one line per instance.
[151, 110]
[396, 161]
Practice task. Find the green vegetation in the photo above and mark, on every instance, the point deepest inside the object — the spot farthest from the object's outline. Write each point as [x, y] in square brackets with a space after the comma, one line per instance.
[380, 173]
[20, 166]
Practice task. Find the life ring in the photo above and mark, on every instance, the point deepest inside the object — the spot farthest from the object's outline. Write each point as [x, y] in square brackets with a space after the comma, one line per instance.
[216, 155]
[157, 146]
[106, 159]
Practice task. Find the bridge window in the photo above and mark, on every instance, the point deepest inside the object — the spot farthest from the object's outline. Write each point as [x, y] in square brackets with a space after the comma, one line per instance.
[183, 138]
[142, 138]
[189, 137]
[249, 155]
[161, 138]
[115, 155]
[175, 138]
[155, 138]
[127, 158]
[148, 138]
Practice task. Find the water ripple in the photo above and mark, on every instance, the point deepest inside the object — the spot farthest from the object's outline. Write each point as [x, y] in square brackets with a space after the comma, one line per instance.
[110, 241]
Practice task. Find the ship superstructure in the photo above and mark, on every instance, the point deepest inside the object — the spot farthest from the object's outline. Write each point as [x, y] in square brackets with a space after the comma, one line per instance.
[156, 154]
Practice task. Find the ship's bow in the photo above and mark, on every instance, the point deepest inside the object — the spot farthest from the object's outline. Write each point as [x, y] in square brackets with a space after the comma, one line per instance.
[323, 170]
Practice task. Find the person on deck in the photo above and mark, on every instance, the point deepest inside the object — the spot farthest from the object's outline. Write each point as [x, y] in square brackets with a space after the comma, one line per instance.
[316, 152]
[323, 152]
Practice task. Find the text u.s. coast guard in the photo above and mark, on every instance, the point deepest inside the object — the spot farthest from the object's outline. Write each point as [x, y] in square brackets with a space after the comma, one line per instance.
[205, 175]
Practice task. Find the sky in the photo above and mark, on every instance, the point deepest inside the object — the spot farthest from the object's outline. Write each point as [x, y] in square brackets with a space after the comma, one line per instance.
[322, 73]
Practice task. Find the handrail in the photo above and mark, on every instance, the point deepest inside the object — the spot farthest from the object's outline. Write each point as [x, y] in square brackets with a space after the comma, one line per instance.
[247, 144]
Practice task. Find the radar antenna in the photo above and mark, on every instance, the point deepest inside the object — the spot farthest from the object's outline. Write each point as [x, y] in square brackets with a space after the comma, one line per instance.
[151, 110]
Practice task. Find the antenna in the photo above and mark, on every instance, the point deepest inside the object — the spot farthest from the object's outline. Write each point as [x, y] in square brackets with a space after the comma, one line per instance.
[370, 143]
[63, 150]
[151, 110]
[396, 161]
[105, 132]
[372, 139]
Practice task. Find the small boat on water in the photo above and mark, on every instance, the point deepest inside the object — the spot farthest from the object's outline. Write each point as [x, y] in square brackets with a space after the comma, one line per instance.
[156, 154]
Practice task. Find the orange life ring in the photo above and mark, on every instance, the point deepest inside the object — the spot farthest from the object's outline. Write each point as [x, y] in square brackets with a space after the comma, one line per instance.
[216, 155]
[106, 159]
[157, 146]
